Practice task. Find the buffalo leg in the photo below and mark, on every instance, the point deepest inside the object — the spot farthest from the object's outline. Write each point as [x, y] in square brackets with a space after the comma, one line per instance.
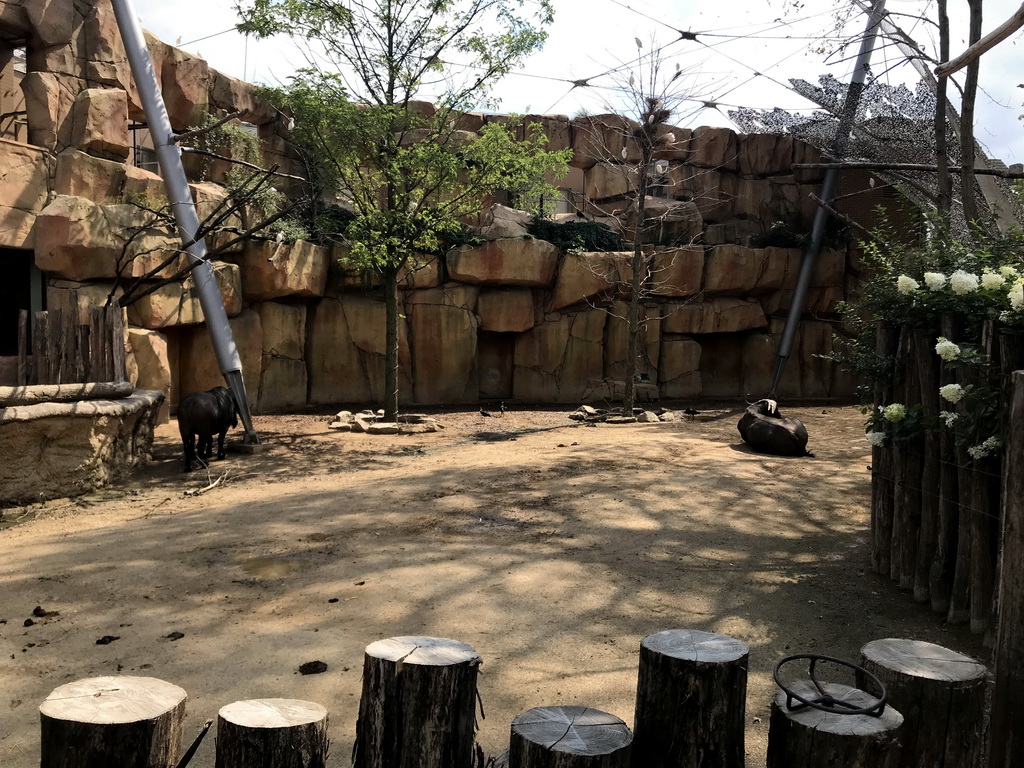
[188, 445]
[220, 444]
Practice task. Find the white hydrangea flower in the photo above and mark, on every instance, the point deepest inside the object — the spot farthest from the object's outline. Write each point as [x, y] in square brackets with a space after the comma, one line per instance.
[946, 349]
[977, 452]
[894, 412]
[1010, 273]
[876, 438]
[1016, 296]
[905, 284]
[963, 282]
[935, 281]
[949, 417]
[992, 280]
[954, 393]
[987, 448]
[1006, 317]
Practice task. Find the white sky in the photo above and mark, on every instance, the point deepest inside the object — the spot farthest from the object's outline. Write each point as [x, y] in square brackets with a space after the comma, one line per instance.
[589, 37]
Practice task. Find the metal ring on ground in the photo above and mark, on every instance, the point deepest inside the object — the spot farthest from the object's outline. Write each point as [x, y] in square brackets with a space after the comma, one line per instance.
[825, 702]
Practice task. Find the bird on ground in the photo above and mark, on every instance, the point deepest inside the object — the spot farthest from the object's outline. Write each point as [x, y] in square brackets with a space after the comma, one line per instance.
[692, 413]
[501, 408]
[484, 413]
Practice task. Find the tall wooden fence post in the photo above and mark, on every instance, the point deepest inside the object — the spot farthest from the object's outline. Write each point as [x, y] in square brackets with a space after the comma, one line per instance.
[690, 700]
[1006, 729]
[418, 705]
[568, 737]
[128, 722]
[271, 733]
[809, 738]
[941, 695]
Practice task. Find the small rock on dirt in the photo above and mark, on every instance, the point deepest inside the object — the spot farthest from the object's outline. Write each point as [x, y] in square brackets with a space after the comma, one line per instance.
[621, 420]
[107, 639]
[647, 417]
[174, 636]
[383, 428]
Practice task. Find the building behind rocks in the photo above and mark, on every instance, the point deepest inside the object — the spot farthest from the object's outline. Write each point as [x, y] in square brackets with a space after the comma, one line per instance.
[513, 318]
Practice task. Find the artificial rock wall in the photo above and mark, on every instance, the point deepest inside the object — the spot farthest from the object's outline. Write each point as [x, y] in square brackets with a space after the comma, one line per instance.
[513, 318]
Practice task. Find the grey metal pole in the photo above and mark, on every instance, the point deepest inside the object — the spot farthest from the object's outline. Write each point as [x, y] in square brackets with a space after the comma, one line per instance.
[169, 157]
[828, 193]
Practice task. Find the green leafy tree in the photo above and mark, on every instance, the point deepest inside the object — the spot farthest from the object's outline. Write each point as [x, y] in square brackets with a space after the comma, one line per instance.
[411, 176]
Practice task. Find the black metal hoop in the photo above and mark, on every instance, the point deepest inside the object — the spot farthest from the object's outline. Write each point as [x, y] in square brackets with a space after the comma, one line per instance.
[825, 702]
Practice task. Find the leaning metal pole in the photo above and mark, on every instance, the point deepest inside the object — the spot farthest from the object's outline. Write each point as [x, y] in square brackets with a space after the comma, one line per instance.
[828, 192]
[169, 156]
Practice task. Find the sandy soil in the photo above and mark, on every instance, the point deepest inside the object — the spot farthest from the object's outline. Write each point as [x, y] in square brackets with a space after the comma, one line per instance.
[551, 547]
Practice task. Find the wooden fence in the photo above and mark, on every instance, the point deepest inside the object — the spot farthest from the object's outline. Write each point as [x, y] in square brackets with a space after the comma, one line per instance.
[71, 345]
[936, 509]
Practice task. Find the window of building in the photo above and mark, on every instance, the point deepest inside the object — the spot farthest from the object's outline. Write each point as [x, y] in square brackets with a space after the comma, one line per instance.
[23, 287]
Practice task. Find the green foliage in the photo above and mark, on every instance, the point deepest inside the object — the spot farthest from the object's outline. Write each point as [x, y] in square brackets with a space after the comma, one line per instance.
[576, 236]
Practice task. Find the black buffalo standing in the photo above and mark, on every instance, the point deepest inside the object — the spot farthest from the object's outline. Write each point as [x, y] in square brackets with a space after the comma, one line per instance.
[765, 430]
[205, 414]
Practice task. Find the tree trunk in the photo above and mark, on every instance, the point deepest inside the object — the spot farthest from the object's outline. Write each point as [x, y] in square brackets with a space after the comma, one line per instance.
[882, 500]
[1006, 729]
[272, 733]
[940, 581]
[967, 151]
[690, 700]
[941, 695]
[418, 705]
[636, 288]
[942, 179]
[809, 738]
[128, 722]
[568, 737]
[927, 364]
[389, 277]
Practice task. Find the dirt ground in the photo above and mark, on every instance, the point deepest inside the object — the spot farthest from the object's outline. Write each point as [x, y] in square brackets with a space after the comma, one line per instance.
[549, 546]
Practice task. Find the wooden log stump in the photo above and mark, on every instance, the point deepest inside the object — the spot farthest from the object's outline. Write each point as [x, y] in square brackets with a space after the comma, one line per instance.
[128, 722]
[690, 700]
[268, 733]
[417, 708]
[809, 738]
[568, 737]
[941, 695]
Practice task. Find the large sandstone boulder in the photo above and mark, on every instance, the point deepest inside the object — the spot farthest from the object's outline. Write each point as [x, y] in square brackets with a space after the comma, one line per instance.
[555, 361]
[506, 310]
[712, 147]
[500, 221]
[80, 240]
[106, 62]
[584, 276]
[283, 377]
[601, 138]
[23, 192]
[806, 374]
[736, 270]
[178, 303]
[272, 270]
[753, 199]
[49, 100]
[198, 369]
[668, 222]
[229, 95]
[444, 348]
[51, 21]
[82, 175]
[725, 315]
[152, 364]
[554, 127]
[421, 271]
[606, 180]
[101, 123]
[765, 154]
[185, 83]
[521, 261]
[346, 352]
[677, 271]
[679, 367]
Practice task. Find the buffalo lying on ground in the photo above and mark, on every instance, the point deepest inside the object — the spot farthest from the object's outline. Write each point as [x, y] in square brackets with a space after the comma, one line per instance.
[205, 414]
[765, 430]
